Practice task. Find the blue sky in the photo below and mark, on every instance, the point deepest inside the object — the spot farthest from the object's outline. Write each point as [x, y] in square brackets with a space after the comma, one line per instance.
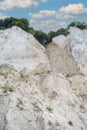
[45, 15]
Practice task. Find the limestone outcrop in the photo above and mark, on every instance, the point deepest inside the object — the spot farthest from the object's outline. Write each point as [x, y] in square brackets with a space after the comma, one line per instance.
[40, 88]
[77, 39]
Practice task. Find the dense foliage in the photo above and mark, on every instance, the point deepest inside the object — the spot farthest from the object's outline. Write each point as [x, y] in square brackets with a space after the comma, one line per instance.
[61, 31]
[47, 38]
[80, 25]
[9, 22]
[41, 36]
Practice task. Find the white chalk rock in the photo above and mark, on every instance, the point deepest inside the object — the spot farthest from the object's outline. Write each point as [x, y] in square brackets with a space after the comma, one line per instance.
[78, 42]
[60, 40]
[21, 49]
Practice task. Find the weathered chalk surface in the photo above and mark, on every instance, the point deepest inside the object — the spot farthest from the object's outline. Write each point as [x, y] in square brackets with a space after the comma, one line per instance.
[42, 88]
[4, 100]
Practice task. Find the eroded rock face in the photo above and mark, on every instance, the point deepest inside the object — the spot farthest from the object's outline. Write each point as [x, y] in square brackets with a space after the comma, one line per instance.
[35, 96]
[61, 58]
[4, 100]
[43, 102]
[78, 41]
[61, 40]
[21, 49]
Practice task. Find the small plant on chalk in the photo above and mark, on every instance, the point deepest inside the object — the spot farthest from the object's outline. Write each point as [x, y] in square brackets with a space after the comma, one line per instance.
[49, 108]
[8, 88]
[20, 103]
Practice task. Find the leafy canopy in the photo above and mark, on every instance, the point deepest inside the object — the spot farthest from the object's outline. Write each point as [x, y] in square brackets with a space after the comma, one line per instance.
[41, 36]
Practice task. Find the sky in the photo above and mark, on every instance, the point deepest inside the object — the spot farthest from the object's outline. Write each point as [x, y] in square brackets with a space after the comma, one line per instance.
[45, 15]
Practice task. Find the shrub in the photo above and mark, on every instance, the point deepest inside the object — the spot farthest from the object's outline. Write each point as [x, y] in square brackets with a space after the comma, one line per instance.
[49, 108]
[19, 103]
[7, 89]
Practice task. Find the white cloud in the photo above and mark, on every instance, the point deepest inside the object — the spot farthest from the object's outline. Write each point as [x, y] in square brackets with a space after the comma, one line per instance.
[7, 4]
[50, 13]
[52, 23]
[51, 20]
[32, 21]
[64, 16]
[67, 12]
[43, 13]
[2, 16]
[73, 9]
[49, 25]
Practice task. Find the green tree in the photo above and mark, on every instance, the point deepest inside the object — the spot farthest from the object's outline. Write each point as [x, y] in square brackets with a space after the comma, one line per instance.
[80, 25]
[51, 34]
[9, 22]
[22, 23]
[41, 37]
[72, 24]
[62, 31]
[32, 31]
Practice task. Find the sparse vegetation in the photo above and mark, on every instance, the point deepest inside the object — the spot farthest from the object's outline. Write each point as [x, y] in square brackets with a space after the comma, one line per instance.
[19, 103]
[24, 74]
[49, 108]
[8, 88]
[5, 70]
[41, 36]
[3, 74]
[81, 95]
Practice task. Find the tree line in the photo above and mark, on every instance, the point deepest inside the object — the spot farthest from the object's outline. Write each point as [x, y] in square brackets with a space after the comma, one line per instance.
[41, 36]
